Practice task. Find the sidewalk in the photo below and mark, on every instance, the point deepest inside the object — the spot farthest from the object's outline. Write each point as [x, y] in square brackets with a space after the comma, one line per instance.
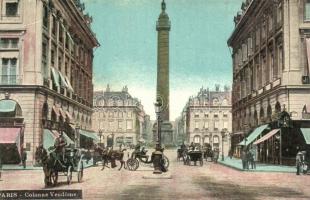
[31, 167]
[237, 164]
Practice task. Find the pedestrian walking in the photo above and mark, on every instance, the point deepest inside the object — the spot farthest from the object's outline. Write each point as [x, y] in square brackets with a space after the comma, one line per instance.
[252, 160]
[244, 159]
[298, 162]
[24, 158]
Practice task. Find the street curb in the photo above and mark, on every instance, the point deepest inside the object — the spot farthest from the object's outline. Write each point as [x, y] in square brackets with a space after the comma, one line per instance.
[256, 170]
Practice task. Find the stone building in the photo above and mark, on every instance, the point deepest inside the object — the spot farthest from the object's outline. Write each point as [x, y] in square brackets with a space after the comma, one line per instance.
[46, 53]
[205, 117]
[271, 59]
[119, 118]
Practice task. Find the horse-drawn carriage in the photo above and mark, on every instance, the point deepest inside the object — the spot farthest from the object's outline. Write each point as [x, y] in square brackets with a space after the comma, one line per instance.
[55, 165]
[193, 156]
[133, 162]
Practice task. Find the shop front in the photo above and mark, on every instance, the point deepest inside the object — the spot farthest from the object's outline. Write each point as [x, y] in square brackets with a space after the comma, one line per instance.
[11, 131]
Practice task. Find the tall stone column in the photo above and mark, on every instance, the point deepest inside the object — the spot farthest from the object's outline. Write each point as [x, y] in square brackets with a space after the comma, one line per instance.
[163, 27]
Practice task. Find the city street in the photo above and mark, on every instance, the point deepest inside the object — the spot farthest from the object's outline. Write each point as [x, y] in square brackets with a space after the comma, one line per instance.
[212, 181]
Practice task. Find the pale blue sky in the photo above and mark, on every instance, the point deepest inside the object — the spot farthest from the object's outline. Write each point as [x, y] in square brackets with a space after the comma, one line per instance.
[199, 55]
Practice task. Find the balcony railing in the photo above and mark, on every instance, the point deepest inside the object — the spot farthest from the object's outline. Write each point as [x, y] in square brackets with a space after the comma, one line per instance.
[10, 80]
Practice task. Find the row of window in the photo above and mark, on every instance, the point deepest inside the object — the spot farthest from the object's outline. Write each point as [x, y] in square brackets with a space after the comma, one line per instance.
[65, 39]
[246, 49]
[196, 115]
[9, 43]
[116, 125]
[206, 139]
[115, 114]
[262, 70]
[216, 125]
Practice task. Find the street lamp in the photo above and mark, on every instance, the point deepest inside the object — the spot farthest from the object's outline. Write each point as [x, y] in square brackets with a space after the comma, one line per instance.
[157, 154]
[223, 135]
[76, 136]
[283, 122]
[100, 135]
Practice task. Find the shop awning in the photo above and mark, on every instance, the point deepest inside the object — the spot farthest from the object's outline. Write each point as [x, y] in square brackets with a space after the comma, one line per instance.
[63, 114]
[63, 80]
[48, 139]
[9, 135]
[56, 133]
[306, 133]
[69, 84]
[55, 76]
[267, 136]
[88, 134]
[69, 116]
[7, 105]
[253, 135]
[55, 109]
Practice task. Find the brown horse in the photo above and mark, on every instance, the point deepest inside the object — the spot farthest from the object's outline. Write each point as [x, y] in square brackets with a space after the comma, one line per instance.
[110, 156]
[42, 157]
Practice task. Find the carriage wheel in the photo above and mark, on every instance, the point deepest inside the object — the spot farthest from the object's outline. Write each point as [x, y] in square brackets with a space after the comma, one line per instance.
[80, 173]
[132, 164]
[201, 161]
[69, 175]
[166, 162]
[53, 177]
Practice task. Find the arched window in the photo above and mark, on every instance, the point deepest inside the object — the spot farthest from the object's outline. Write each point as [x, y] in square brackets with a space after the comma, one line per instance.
[255, 118]
[197, 139]
[45, 111]
[269, 112]
[277, 107]
[261, 112]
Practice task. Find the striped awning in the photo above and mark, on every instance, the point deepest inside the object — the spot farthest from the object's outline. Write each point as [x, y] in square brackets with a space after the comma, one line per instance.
[88, 134]
[55, 76]
[253, 135]
[267, 136]
[306, 133]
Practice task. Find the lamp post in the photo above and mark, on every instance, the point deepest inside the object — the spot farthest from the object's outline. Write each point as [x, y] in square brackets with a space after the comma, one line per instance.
[76, 136]
[283, 122]
[223, 135]
[100, 135]
[157, 154]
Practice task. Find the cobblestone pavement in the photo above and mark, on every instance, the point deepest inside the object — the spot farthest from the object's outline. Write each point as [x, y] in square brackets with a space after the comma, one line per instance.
[212, 181]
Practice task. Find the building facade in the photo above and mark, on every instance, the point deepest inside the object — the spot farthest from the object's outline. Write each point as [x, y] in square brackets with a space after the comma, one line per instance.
[119, 118]
[271, 45]
[205, 117]
[46, 53]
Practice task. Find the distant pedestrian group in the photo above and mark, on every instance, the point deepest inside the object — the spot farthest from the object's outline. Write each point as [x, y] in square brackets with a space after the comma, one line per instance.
[248, 160]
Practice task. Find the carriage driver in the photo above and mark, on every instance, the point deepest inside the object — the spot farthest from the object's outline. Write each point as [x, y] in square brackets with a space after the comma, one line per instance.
[59, 145]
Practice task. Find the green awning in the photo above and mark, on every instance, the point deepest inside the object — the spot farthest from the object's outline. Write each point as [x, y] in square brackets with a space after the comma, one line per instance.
[306, 133]
[7, 105]
[88, 134]
[69, 84]
[50, 136]
[253, 135]
[48, 139]
[69, 141]
[55, 76]
[63, 80]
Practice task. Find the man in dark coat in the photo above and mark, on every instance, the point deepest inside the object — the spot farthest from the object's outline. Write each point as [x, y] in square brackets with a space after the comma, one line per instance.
[24, 158]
